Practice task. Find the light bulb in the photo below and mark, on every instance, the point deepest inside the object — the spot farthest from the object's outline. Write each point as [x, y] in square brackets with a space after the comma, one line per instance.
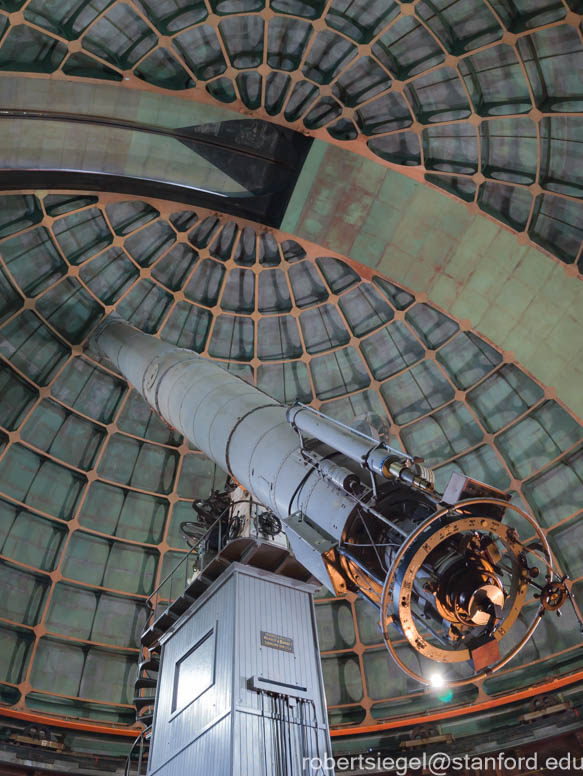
[437, 681]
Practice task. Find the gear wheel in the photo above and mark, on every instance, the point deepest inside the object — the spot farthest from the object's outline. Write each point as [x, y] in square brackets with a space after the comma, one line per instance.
[269, 524]
[553, 596]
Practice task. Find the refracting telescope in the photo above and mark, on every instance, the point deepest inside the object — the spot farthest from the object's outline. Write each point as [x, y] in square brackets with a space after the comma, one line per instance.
[460, 579]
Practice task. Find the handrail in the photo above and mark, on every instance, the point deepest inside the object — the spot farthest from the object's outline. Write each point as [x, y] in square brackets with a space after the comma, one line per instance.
[149, 599]
[140, 739]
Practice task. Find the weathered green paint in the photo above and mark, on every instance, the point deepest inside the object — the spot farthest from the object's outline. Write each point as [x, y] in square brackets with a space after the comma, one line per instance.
[514, 294]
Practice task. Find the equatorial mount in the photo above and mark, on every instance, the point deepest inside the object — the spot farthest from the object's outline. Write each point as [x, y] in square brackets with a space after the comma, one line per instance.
[453, 575]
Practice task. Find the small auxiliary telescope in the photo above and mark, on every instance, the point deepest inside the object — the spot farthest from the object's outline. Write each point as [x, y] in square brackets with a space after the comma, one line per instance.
[461, 579]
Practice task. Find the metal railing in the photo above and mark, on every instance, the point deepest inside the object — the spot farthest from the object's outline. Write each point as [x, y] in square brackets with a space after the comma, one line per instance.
[142, 759]
[202, 556]
[202, 559]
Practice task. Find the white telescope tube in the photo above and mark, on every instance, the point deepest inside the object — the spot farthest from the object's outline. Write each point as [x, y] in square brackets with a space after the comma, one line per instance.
[236, 425]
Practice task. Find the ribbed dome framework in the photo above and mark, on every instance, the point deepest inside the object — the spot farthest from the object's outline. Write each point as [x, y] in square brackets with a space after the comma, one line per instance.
[483, 97]
[94, 486]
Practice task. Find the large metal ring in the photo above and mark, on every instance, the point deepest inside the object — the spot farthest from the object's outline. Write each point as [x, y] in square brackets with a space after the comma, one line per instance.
[415, 549]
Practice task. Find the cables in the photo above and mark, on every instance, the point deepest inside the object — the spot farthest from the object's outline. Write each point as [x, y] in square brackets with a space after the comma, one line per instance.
[291, 724]
[265, 769]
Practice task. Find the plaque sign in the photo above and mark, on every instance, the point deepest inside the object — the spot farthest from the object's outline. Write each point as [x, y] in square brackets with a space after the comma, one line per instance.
[273, 641]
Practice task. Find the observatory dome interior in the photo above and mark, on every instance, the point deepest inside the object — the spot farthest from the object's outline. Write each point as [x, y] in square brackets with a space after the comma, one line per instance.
[374, 207]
